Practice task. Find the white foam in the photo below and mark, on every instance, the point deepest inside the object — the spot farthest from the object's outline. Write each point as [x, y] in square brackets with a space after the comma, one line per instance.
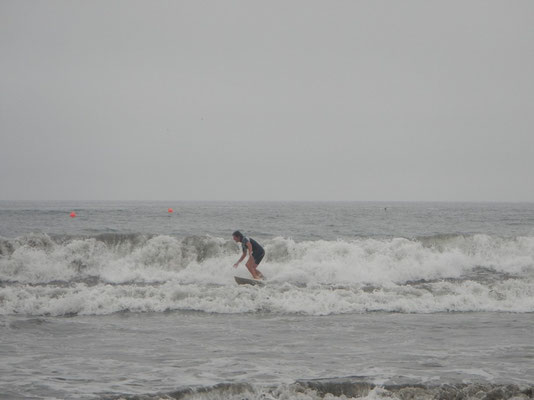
[508, 296]
[313, 277]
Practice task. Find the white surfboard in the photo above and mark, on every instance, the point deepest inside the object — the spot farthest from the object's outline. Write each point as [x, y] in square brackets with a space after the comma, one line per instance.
[246, 281]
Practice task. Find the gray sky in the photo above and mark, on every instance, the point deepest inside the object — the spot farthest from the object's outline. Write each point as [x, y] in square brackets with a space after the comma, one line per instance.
[271, 100]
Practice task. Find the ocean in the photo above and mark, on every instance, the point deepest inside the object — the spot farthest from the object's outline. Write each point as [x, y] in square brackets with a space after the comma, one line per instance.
[372, 300]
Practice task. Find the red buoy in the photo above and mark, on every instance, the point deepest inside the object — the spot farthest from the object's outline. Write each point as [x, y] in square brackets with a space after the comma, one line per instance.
[170, 210]
[72, 214]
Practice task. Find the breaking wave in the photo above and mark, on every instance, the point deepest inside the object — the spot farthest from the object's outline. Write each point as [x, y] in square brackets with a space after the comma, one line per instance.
[346, 389]
[44, 275]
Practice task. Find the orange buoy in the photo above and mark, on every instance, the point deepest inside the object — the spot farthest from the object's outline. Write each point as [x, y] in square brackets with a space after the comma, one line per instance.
[170, 210]
[72, 214]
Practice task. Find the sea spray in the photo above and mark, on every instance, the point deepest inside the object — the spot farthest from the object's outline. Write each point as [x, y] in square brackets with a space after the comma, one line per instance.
[43, 275]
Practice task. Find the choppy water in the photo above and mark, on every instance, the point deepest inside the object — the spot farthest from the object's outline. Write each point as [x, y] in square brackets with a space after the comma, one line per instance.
[374, 300]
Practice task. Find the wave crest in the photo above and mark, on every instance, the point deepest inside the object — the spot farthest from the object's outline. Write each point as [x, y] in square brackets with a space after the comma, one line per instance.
[343, 389]
[41, 275]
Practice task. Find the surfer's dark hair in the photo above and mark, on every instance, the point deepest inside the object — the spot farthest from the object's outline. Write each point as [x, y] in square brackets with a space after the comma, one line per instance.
[238, 234]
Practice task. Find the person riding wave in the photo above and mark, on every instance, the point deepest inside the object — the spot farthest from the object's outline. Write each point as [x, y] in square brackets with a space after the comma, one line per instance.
[256, 254]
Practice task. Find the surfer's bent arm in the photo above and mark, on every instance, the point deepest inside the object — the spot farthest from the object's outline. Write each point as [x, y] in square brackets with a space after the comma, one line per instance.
[241, 259]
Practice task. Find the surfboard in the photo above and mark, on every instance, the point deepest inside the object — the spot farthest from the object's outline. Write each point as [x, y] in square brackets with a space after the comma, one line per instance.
[246, 281]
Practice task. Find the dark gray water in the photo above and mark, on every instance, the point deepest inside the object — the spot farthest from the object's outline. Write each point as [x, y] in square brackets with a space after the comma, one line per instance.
[374, 300]
[140, 353]
[298, 220]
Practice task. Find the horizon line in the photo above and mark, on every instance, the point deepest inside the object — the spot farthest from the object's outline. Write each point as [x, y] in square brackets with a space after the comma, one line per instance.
[265, 201]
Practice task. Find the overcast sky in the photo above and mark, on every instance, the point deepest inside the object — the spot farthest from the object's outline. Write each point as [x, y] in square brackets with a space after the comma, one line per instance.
[270, 100]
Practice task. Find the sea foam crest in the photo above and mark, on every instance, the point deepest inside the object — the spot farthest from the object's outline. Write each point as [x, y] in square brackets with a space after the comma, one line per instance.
[40, 275]
[345, 389]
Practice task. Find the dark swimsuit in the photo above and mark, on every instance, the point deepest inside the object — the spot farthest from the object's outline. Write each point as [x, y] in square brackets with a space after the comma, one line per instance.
[257, 251]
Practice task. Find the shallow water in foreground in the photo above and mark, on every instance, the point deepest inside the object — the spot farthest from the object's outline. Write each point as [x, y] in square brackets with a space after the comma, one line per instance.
[142, 354]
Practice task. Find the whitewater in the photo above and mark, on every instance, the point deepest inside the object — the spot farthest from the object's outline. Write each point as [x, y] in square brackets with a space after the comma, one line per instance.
[364, 300]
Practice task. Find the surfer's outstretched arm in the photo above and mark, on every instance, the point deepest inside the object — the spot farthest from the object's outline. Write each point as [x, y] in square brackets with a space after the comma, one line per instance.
[241, 259]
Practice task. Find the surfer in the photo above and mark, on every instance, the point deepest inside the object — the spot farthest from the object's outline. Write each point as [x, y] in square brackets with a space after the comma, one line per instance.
[256, 254]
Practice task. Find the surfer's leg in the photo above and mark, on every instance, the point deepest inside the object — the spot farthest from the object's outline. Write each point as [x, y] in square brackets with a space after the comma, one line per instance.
[258, 272]
[251, 266]
[257, 261]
